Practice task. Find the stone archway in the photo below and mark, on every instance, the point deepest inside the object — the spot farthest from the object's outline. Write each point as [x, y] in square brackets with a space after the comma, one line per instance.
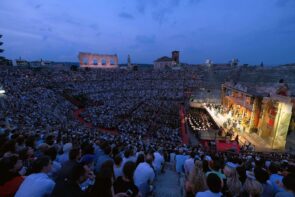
[97, 60]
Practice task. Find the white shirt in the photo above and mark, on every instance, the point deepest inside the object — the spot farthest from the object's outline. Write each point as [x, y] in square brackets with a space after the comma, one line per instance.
[36, 185]
[189, 165]
[63, 158]
[118, 171]
[158, 161]
[143, 173]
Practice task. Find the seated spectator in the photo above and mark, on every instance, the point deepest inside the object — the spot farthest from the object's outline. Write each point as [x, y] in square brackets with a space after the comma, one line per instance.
[125, 183]
[10, 179]
[38, 183]
[214, 184]
[71, 186]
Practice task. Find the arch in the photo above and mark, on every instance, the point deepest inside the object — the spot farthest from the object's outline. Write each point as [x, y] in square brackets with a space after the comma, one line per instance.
[112, 61]
[85, 61]
[103, 62]
[95, 62]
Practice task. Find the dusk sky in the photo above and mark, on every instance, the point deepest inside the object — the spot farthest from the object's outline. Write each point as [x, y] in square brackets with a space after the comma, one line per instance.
[250, 30]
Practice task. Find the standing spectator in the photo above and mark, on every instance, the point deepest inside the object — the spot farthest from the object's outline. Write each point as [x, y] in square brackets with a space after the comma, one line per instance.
[288, 183]
[214, 184]
[67, 167]
[65, 156]
[216, 168]
[103, 157]
[158, 162]
[103, 186]
[126, 182]
[71, 186]
[262, 177]
[144, 175]
[251, 186]
[118, 166]
[196, 180]
[189, 164]
[10, 179]
[233, 184]
[275, 178]
[56, 166]
[38, 183]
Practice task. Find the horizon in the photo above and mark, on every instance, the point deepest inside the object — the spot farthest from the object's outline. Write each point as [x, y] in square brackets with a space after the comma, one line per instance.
[251, 31]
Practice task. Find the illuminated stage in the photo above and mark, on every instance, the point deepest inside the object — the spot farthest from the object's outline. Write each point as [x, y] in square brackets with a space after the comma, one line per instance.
[257, 118]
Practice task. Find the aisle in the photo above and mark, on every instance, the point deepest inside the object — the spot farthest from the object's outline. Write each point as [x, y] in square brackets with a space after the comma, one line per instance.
[167, 184]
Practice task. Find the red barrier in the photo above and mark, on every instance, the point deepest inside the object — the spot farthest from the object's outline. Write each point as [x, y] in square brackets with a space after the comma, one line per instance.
[224, 146]
[183, 133]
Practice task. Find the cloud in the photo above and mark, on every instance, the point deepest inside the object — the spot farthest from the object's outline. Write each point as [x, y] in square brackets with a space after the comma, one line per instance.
[144, 39]
[160, 15]
[20, 33]
[38, 6]
[125, 15]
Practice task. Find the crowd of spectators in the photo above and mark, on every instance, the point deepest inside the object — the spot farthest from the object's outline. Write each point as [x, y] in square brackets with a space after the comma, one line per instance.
[46, 151]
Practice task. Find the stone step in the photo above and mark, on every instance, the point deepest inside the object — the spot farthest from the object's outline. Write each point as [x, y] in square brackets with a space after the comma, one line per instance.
[167, 184]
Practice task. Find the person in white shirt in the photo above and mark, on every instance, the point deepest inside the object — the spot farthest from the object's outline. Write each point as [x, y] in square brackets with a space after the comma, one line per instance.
[65, 156]
[189, 164]
[118, 168]
[144, 175]
[37, 184]
[158, 162]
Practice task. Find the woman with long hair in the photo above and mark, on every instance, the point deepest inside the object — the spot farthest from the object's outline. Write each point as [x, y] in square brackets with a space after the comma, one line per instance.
[196, 180]
[233, 185]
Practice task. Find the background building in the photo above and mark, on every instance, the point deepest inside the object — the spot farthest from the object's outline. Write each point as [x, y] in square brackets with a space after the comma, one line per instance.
[167, 62]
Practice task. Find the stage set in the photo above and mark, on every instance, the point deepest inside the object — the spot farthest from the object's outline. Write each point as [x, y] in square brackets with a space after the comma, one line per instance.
[244, 118]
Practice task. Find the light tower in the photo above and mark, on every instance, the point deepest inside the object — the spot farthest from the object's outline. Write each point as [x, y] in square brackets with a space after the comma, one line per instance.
[234, 62]
[2, 97]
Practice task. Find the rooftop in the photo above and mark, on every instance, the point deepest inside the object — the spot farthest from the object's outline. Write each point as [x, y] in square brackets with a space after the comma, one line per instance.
[164, 59]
